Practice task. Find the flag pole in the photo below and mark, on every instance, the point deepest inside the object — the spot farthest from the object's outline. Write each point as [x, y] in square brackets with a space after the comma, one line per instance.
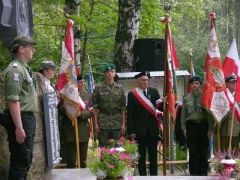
[231, 128]
[77, 142]
[218, 138]
[165, 106]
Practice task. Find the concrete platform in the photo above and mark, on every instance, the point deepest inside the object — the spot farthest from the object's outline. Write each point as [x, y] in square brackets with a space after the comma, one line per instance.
[85, 174]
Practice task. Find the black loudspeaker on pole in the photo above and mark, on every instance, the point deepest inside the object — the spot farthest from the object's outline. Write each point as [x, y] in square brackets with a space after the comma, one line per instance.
[148, 54]
[15, 19]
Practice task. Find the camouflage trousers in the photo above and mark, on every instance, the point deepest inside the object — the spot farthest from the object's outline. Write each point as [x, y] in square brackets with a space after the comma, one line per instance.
[106, 134]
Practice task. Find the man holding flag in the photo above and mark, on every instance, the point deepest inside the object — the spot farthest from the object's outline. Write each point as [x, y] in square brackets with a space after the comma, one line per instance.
[225, 131]
[231, 69]
[143, 123]
[67, 84]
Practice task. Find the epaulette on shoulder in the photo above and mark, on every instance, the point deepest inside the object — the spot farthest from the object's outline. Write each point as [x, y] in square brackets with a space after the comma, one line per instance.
[15, 65]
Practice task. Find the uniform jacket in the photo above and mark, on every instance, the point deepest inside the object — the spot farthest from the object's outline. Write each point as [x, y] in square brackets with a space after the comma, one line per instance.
[110, 100]
[19, 85]
[194, 111]
[226, 124]
[139, 120]
[68, 129]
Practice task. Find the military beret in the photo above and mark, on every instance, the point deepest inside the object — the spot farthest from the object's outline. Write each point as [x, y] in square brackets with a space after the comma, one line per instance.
[144, 73]
[109, 67]
[46, 65]
[79, 77]
[22, 40]
[195, 78]
[231, 77]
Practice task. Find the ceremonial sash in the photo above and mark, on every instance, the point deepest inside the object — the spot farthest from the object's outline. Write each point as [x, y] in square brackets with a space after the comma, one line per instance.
[82, 105]
[231, 102]
[138, 94]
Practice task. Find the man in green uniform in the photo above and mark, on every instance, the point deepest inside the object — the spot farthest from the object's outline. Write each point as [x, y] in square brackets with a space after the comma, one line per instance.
[231, 82]
[109, 104]
[68, 131]
[197, 126]
[21, 99]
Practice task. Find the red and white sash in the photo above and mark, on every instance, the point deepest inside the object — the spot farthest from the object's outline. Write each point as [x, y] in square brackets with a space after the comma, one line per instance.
[138, 93]
[82, 105]
[231, 102]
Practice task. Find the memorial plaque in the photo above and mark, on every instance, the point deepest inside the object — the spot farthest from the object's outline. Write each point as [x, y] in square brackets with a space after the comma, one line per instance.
[51, 129]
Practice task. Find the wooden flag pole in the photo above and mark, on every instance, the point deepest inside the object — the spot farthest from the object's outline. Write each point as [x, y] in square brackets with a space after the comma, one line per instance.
[165, 110]
[218, 138]
[77, 142]
[165, 105]
[231, 129]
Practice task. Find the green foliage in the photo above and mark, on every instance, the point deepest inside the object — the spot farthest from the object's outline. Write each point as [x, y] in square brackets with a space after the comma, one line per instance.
[98, 22]
[5, 57]
[181, 153]
[49, 27]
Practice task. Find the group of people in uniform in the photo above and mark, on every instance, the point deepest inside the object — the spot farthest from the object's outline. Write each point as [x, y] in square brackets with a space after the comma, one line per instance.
[112, 115]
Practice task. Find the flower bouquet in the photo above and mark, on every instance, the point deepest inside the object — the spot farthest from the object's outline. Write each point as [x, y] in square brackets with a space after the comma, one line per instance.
[116, 161]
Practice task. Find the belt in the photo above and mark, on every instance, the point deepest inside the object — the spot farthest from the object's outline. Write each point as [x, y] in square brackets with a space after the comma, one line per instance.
[27, 113]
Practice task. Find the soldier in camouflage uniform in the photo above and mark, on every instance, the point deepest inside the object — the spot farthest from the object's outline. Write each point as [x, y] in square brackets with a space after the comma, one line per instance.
[109, 104]
[21, 98]
[197, 125]
[231, 82]
[83, 130]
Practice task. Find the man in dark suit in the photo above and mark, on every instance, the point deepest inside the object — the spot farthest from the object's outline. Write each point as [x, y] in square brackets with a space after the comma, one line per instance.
[143, 123]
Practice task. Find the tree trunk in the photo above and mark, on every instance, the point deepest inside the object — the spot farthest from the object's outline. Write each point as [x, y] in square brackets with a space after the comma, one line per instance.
[85, 37]
[72, 7]
[127, 32]
[236, 29]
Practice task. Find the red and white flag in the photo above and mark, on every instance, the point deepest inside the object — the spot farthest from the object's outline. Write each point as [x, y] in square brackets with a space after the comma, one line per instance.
[171, 63]
[214, 95]
[231, 65]
[67, 77]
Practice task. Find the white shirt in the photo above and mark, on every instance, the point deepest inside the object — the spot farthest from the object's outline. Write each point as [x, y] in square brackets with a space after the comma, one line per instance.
[48, 85]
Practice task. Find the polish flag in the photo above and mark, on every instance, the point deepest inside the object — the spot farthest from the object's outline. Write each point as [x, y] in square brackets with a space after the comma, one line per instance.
[67, 77]
[214, 95]
[231, 65]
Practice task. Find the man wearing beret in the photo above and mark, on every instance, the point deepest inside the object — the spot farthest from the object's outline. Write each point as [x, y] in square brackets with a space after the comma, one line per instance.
[109, 104]
[21, 99]
[197, 125]
[231, 81]
[143, 122]
[68, 131]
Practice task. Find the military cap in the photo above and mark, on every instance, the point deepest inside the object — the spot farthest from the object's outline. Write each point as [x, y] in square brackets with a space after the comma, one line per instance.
[144, 73]
[195, 78]
[22, 40]
[79, 77]
[46, 65]
[231, 77]
[109, 67]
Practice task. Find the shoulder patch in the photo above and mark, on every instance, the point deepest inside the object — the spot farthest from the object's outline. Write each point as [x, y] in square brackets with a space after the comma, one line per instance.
[15, 77]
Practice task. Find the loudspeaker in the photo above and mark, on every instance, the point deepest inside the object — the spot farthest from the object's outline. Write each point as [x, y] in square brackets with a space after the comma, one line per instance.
[148, 55]
[15, 19]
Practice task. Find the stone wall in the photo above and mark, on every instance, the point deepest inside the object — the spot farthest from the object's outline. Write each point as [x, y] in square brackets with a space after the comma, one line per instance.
[4, 153]
[38, 170]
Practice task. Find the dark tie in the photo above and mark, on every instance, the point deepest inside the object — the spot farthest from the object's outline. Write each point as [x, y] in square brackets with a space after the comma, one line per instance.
[31, 75]
[145, 94]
